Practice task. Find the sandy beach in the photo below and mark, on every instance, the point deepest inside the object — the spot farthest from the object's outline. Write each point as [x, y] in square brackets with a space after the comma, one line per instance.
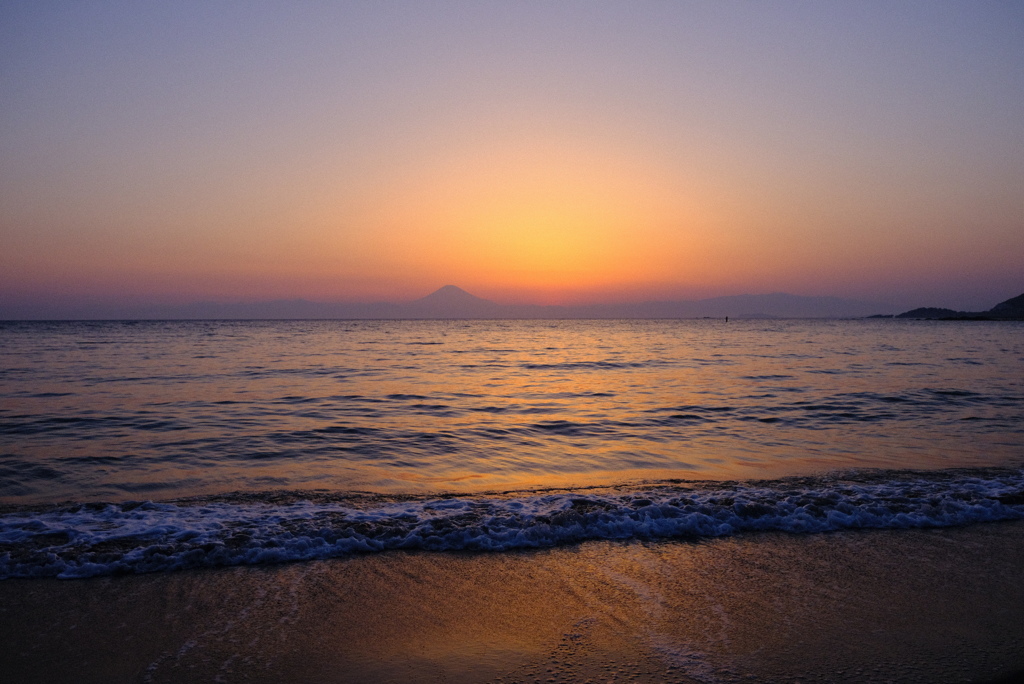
[941, 605]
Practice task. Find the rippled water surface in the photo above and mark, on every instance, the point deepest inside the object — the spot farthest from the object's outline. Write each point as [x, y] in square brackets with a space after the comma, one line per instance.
[114, 411]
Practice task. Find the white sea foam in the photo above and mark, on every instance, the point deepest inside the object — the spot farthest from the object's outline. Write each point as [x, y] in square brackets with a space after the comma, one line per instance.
[91, 539]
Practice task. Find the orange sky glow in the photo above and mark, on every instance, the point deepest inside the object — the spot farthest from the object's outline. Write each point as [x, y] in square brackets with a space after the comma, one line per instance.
[580, 153]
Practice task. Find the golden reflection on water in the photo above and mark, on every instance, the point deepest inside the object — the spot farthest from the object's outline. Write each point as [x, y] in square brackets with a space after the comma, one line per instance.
[475, 405]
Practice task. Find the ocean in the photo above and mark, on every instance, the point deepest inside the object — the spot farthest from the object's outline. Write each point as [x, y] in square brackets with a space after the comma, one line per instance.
[131, 447]
[687, 501]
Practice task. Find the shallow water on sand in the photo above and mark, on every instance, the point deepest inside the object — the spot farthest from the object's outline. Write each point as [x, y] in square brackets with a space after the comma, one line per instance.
[910, 606]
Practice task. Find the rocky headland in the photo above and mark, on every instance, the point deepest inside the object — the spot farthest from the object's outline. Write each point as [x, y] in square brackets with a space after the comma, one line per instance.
[1010, 310]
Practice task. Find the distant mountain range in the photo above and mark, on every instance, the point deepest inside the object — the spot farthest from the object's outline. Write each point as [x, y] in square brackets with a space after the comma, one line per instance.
[1010, 310]
[451, 302]
[454, 302]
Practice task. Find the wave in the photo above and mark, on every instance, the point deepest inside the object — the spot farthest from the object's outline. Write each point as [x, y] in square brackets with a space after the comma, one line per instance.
[90, 539]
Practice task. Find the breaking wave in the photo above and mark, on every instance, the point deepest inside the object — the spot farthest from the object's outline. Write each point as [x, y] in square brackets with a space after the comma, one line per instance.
[85, 540]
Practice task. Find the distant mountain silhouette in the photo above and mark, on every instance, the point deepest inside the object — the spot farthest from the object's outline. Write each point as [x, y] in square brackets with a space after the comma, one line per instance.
[1010, 310]
[452, 302]
[451, 294]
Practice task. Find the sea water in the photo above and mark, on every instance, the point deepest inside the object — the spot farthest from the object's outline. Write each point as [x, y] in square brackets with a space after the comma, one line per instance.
[144, 446]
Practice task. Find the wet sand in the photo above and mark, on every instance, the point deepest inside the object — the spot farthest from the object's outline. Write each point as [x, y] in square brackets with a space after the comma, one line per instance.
[877, 606]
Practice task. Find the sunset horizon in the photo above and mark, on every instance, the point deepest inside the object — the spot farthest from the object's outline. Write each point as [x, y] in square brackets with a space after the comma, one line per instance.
[479, 341]
[568, 154]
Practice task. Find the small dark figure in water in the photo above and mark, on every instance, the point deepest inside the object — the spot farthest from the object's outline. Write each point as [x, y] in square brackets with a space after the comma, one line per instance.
[726, 319]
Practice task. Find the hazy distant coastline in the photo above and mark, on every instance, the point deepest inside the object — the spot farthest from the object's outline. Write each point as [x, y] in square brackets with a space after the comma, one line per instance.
[455, 303]
[452, 302]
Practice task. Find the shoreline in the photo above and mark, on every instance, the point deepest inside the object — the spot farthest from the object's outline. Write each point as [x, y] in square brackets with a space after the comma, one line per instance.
[254, 528]
[931, 605]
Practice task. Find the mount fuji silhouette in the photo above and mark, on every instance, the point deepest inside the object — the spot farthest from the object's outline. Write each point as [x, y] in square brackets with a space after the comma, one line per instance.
[451, 301]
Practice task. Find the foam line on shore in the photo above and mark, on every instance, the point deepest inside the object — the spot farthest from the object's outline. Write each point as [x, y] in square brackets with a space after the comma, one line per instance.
[85, 540]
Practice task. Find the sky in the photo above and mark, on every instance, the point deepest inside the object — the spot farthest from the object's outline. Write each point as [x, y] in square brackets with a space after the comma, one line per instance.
[528, 152]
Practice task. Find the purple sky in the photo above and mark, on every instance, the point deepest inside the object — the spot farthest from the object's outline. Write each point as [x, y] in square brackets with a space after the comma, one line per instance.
[528, 152]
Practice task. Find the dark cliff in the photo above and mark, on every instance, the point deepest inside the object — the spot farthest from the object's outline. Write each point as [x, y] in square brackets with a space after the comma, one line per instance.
[1010, 310]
